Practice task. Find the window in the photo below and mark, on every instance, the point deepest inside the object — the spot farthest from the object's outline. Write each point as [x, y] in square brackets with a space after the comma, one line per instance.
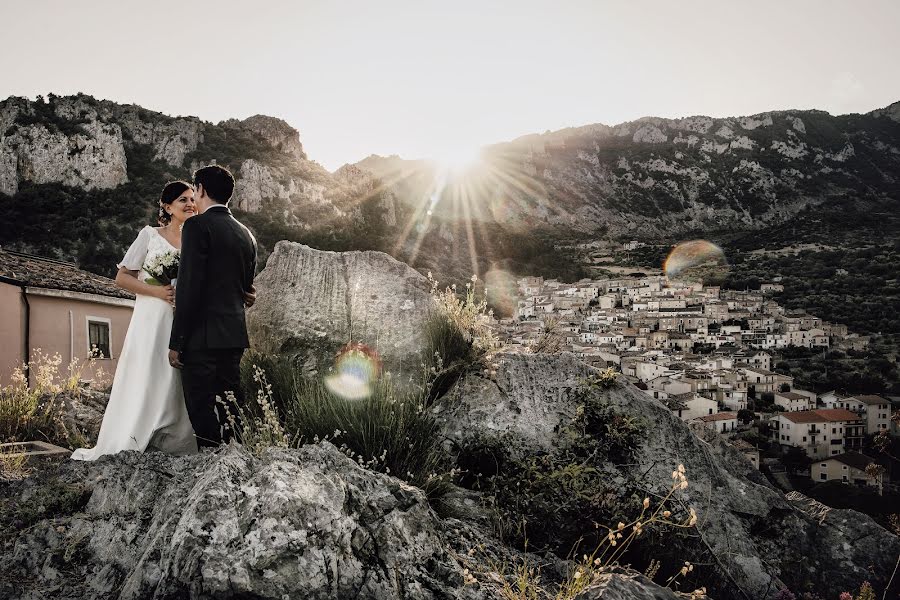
[98, 337]
[804, 438]
[823, 476]
[843, 467]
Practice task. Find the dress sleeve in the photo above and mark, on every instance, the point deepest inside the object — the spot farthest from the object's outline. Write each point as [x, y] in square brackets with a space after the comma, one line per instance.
[134, 258]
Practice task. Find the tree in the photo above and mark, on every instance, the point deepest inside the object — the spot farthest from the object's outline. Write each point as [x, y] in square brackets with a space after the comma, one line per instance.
[746, 415]
[795, 459]
[784, 387]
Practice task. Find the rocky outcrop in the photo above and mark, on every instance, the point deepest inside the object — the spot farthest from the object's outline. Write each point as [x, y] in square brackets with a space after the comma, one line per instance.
[94, 158]
[311, 302]
[82, 411]
[275, 132]
[254, 183]
[760, 541]
[172, 139]
[307, 523]
[891, 112]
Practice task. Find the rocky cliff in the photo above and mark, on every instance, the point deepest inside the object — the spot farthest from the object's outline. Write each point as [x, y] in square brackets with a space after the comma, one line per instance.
[95, 168]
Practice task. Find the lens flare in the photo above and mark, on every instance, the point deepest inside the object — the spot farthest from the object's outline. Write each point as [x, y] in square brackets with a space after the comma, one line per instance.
[696, 261]
[357, 368]
[500, 289]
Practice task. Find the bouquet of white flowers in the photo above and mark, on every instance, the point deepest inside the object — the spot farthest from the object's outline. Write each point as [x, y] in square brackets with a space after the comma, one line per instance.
[163, 269]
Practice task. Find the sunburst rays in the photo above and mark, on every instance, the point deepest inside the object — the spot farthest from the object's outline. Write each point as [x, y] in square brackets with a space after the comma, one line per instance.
[465, 196]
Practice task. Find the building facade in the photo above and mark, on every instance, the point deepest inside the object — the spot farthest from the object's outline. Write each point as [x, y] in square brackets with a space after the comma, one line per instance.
[52, 307]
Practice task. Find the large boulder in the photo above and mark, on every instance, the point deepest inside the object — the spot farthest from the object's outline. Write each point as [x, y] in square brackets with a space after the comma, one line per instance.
[759, 540]
[82, 410]
[312, 302]
[307, 523]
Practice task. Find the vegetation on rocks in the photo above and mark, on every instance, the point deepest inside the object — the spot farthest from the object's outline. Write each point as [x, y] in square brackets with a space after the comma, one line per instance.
[37, 411]
[389, 430]
[554, 500]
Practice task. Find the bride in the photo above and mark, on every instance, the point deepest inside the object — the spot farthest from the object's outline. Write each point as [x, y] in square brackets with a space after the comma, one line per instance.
[146, 409]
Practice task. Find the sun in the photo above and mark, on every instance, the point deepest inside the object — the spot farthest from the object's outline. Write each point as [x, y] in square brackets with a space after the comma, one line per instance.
[457, 159]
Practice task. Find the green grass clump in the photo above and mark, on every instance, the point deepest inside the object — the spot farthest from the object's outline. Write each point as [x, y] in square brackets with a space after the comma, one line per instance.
[390, 431]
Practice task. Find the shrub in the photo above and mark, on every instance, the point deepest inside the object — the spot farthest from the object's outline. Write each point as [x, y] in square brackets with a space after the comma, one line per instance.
[746, 415]
[550, 341]
[36, 412]
[389, 431]
[524, 583]
[457, 336]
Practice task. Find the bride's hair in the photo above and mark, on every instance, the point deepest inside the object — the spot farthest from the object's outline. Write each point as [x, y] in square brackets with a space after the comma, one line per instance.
[170, 193]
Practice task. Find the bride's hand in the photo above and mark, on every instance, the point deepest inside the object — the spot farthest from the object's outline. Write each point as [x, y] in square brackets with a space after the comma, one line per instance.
[167, 293]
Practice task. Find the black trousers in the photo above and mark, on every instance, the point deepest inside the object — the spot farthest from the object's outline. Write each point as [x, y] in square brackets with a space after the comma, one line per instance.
[206, 375]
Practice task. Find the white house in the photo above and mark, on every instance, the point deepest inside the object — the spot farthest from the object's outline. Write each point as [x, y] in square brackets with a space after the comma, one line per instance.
[689, 406]
[761, 380]
[877, 413]
[794, 401]
[722, 422]
[819, 433]
[835, 400]
[849, 467]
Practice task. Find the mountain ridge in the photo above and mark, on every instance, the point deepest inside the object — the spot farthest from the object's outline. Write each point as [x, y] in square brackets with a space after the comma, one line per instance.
[654, 178]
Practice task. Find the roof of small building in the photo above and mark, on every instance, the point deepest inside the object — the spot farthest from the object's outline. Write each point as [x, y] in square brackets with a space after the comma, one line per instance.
[763, 372]
[676, 401]
[36, 271]
[744, 446]
[722, 416]
[792, 395]
[820, 415]
[852, 459]
[872, 399]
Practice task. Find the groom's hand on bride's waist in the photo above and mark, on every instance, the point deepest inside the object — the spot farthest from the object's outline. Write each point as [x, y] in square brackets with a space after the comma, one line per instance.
[175, 359]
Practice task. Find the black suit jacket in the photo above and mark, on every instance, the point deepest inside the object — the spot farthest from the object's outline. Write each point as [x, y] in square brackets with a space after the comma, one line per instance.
[218, 262]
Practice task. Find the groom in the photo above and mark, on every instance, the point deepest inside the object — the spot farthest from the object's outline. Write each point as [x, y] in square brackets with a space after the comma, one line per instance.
[209, 332]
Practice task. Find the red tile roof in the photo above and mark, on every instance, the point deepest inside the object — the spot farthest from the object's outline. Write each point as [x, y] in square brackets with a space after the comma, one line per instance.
[830, 415]
[36, 271]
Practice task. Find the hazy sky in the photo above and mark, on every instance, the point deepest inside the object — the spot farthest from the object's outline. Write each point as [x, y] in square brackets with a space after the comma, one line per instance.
[424, 78]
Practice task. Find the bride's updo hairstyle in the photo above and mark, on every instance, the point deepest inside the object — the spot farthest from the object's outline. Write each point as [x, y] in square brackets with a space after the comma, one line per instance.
[170, 193]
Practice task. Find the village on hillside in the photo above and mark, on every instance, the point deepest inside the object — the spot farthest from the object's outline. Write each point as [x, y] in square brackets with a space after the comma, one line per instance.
[707, 354]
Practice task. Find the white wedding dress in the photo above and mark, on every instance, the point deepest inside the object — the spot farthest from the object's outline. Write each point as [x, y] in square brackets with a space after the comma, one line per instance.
[146, 408]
